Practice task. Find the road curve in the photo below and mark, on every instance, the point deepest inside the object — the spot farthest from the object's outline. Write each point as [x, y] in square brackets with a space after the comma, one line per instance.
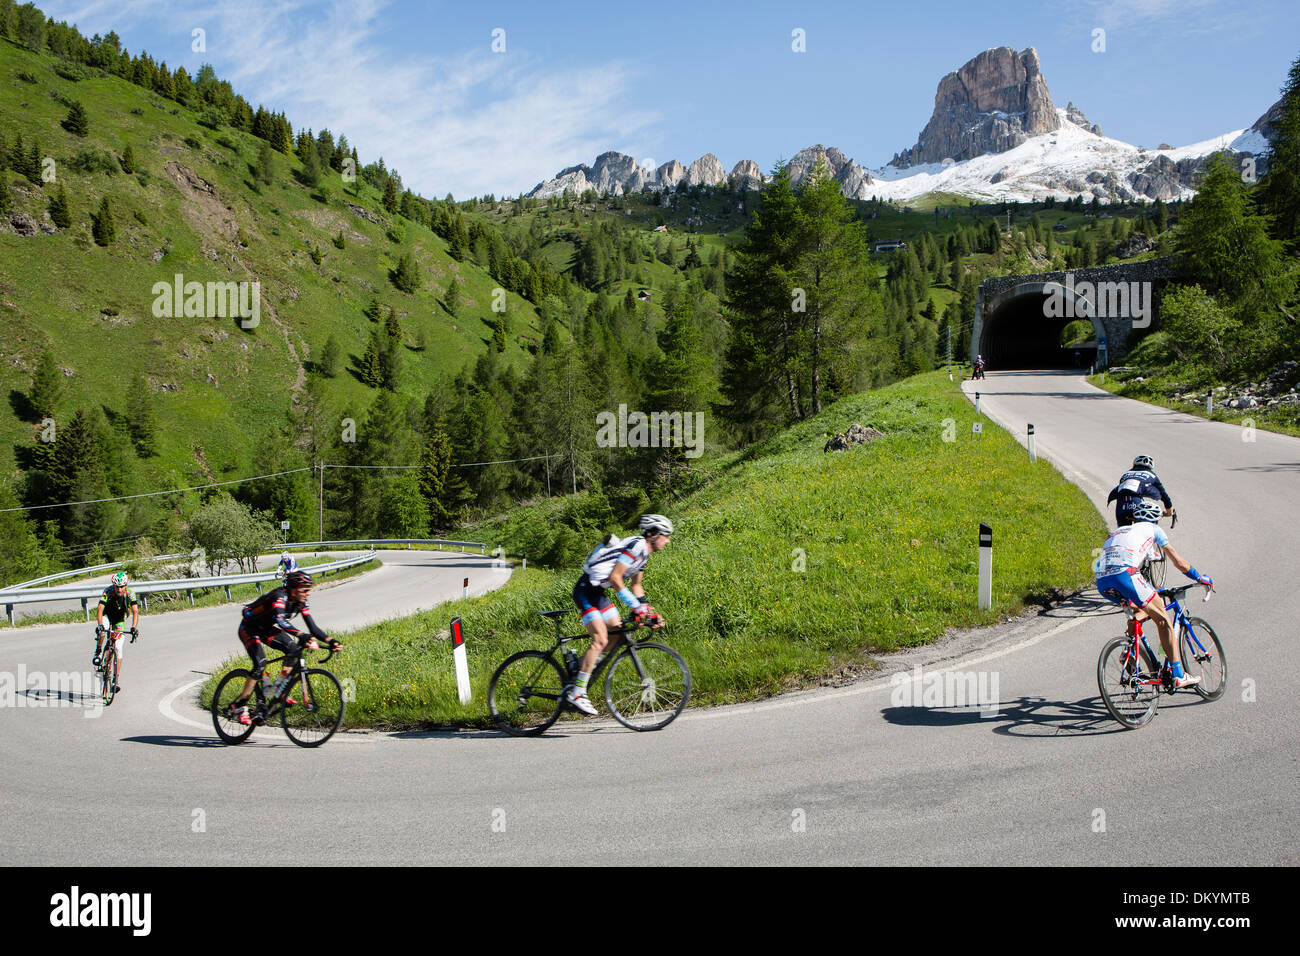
[836, 776]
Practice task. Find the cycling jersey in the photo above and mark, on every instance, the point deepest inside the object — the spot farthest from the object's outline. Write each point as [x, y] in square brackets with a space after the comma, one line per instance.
[272, 612]
[1128, 546]
[117, 606]
[631, 553]
[287, 564]
[1134, 486]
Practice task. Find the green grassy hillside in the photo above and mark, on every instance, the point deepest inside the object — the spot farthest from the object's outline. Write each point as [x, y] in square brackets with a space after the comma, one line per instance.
[193, 207]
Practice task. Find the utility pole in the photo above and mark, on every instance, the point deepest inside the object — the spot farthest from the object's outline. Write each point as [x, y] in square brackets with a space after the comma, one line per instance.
[322, 501]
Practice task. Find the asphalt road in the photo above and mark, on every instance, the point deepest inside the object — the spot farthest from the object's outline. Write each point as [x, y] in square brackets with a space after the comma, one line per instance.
[851, 775]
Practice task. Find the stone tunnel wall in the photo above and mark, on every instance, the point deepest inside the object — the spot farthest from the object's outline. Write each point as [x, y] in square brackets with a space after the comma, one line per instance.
[1113, 330]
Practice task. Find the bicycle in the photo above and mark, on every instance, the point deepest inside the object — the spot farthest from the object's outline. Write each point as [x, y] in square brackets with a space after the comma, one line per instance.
[646, 687]
[309, 718]
[1130, 676]
[110, 662]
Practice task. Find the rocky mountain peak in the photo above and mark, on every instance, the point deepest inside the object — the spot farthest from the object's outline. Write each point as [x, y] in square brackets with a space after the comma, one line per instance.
[995, 102]
[1075, 116]
[853, 179]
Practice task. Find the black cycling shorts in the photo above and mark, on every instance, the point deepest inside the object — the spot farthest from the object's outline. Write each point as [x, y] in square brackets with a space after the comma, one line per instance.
[280, 640]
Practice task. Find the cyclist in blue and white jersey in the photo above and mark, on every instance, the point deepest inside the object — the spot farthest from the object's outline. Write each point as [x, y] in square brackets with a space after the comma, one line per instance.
[287, 563]
[1136, 484]
[618, 564]
[1120, 580]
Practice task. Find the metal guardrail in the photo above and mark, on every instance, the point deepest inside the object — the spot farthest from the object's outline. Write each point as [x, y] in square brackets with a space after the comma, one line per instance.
[144, 588]
[378, 541]
[77, 572]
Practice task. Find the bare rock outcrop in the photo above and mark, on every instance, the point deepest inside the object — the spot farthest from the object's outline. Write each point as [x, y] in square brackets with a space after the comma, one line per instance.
[992, 104]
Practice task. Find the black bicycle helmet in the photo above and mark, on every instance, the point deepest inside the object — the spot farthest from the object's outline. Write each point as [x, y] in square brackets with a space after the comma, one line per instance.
[297, 579]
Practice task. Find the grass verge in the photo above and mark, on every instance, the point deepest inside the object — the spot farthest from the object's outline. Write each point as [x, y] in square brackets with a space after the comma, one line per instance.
[790, 566]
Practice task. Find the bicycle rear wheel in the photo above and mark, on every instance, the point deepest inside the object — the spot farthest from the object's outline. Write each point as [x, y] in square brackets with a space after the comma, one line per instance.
[1202, 654]
[647, 686]
[228, 728]
[317, 710]
[108, 674]
[526, 693]
[1130, 702]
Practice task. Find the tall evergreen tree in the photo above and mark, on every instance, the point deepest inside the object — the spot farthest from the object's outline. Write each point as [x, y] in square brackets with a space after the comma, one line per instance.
[77, 122]
[47, 386]
[128, 160]
[142, 419]
[102, 226]
[1278, 195]
[406, 276]
[60, 214]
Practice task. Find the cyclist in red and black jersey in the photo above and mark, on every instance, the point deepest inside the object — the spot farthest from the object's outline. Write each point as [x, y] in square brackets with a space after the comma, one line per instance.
[268, 620]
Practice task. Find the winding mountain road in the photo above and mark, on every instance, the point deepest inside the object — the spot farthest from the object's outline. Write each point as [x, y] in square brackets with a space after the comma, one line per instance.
[833, 776]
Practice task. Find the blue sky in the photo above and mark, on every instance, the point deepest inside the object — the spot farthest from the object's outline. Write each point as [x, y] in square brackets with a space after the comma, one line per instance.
[420, 83]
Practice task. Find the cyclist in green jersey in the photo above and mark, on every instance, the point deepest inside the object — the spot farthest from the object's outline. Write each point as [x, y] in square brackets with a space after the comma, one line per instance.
[117, 600]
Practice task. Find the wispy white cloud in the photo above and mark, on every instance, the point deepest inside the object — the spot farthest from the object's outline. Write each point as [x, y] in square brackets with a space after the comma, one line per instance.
[1166, 19]
[472, 123]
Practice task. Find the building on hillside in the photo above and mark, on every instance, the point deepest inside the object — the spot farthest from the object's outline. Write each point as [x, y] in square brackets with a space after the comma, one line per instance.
[888, 245]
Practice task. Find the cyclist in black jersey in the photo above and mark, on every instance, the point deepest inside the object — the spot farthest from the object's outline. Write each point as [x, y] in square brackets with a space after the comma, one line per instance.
[114, 604]
[268, 621]
[1136, 485]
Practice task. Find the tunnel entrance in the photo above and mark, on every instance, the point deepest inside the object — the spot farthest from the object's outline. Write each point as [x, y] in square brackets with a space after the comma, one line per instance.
[1020, 332]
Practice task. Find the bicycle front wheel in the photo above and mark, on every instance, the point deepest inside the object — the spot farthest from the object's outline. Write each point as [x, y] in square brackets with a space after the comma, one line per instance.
[1119, 678]
[317, 708]
[228, 727]
[527, 693]
[647, 686]
[1202, 654]
[108, 675]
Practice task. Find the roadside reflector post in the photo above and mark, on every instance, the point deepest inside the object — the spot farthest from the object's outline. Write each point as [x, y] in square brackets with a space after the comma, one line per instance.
[977, 401]
[85, 606]
[464, 591]
[227, 592]
[1032, 457]
[190, 594]
[1209, 403]
[525, 564]
[986, 566]
[9, 610]
[462, 663]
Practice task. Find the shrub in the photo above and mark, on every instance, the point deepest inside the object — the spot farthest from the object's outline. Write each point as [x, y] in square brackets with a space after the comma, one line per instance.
[193, 142]
[212, 118]
[91, 160]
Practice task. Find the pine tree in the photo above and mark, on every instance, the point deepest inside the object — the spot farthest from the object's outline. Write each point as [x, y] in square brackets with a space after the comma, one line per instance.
[5, 195]
[451, 298]
[311, 171]
[406, 276]
[128, 160]
[329, 358]
[77, 122]
[1224, 247]
[1278, 195]
[499, 333]
[47, 386]
[370, 370]
[1161, 216]
[373, 310]
[390, 195]
[142, 420]
[103, 228]
[60, 214]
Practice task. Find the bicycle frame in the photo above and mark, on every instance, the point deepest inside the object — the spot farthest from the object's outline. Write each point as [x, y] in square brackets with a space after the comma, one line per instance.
[276, 703]
[619, 637]
[1181, 623]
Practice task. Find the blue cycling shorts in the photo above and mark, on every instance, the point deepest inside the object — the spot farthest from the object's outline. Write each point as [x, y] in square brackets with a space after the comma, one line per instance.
[1126, 587]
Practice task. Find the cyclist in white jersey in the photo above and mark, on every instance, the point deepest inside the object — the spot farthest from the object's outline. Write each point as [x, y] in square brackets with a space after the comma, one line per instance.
[617, 564]
[1120, 580]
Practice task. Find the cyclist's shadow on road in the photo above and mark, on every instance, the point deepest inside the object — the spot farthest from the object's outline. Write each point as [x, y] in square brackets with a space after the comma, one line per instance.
[1022, 717]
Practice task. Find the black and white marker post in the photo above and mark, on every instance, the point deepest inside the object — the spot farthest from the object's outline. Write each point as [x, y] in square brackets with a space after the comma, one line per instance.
[986, 567]
[462, 662]
[977, 402]
[1032, 456]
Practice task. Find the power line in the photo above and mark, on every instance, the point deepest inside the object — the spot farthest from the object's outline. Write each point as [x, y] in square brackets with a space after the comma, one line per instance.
[155, 494]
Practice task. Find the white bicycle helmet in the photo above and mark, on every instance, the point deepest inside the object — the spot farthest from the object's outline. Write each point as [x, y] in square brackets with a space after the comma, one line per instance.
[1144, 463]
[656, 524]
[1148, 510]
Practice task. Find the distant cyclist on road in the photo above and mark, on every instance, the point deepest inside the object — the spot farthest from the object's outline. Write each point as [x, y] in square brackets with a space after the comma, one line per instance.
[1136, 484]
[979, 367]
[287, 563]
[618, 565]
[267, 621]
[1120, 580]
[114, 604]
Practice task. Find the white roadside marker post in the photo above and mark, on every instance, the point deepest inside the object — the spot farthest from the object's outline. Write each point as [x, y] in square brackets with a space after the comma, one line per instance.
[977, 402]
[462, 663]
[464, 590]
[986, 567]
[1032, 457]
[1209, 403]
